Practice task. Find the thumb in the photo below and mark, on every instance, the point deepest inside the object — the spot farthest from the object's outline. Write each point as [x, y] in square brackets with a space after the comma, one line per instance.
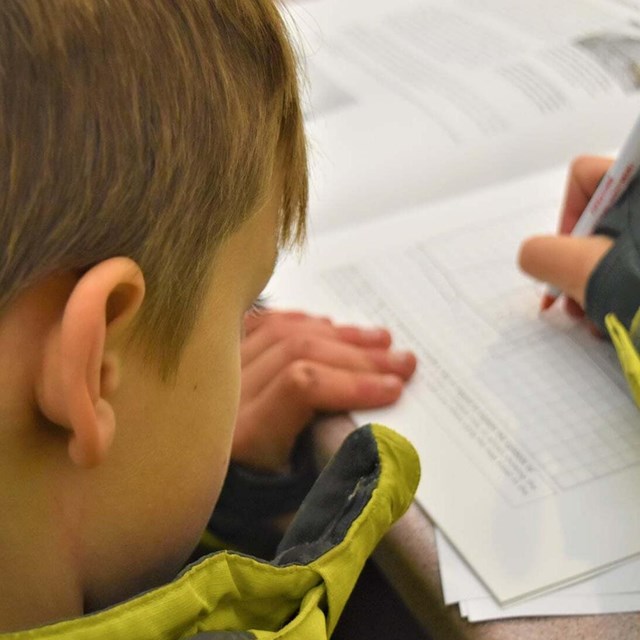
[565, 262]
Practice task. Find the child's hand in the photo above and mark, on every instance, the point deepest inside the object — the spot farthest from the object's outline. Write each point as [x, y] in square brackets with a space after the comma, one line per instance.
[564, 261]
[295, 365]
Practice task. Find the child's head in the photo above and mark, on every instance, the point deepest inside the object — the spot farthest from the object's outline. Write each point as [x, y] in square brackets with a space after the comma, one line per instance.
[151, 162]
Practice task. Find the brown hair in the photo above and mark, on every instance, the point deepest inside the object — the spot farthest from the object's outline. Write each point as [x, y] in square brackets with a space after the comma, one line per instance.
[142, 128]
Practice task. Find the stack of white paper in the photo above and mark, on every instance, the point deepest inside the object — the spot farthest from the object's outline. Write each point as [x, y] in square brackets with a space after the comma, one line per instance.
[614, 591]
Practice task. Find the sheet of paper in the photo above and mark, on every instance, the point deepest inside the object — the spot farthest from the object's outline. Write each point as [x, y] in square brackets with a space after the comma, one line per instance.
[416, 100]
[459, 582]
[553, 605]
[612, 591]
[529, 442]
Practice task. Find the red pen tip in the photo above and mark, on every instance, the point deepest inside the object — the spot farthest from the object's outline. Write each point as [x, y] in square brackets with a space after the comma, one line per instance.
[546, 302]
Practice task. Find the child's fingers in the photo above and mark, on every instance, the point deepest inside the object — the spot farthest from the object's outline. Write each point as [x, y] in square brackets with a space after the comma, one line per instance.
[364, 336]
[576, 311]
[584, 176]
[573, 308]
[294, 365]
[255, 319]
[564, 261]
[270, 423]
[277, 328]
[326, 388]
[329, 351]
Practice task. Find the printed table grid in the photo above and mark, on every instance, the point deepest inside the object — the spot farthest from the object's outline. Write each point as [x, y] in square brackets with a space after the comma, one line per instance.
[575, 430]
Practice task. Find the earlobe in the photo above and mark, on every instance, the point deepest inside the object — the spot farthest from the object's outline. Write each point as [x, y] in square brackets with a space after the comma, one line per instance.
[80, 375]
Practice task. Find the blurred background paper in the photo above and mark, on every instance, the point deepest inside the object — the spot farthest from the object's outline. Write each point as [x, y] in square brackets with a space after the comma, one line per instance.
[415, 100]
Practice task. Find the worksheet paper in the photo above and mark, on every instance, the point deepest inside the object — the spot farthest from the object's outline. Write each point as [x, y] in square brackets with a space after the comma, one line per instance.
[433, 97]
[528, 439]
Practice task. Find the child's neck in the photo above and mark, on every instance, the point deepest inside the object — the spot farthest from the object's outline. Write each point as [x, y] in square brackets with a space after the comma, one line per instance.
[38, 584]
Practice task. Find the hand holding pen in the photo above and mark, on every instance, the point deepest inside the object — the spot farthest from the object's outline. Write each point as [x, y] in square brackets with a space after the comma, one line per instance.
[594, 187]
[566, 261]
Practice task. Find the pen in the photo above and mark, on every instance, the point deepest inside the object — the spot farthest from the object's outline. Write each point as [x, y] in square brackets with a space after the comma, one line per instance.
[615, 181]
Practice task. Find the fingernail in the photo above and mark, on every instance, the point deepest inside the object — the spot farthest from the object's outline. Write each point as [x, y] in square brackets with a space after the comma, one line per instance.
[400, 358]
[374, 334]
[391, 382]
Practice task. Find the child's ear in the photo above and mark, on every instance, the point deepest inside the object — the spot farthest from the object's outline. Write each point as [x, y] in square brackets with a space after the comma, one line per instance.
[79, 373]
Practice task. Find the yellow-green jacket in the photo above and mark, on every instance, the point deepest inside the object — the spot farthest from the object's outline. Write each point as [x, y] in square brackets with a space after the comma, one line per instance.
[231, 596]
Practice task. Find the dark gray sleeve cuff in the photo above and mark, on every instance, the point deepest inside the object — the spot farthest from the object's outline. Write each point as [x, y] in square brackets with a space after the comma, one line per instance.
[614, 285]
[250, 500]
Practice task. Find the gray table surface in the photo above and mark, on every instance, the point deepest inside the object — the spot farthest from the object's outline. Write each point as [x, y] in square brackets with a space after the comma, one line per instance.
[408, 557]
